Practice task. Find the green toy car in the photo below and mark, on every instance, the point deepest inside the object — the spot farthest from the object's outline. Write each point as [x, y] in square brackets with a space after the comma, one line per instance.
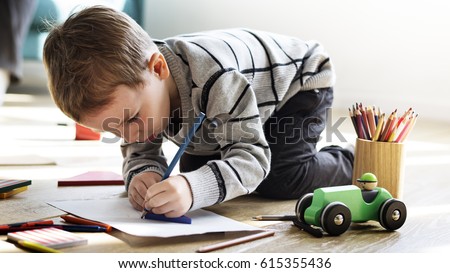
[335, 208]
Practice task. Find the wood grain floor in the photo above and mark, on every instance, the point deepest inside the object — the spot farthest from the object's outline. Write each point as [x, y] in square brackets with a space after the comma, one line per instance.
[31, 126]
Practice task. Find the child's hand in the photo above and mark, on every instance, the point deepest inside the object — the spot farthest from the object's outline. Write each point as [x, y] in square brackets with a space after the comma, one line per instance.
[172, 197]
[138, 188]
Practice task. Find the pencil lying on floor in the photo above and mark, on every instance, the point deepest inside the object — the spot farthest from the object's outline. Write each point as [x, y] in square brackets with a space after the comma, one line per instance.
[236, 241]
[274, 217]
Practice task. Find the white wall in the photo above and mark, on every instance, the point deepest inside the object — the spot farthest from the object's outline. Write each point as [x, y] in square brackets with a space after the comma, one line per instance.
[390, 53]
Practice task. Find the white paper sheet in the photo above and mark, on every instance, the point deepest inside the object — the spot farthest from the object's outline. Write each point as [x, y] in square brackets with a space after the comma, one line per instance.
[118, 213]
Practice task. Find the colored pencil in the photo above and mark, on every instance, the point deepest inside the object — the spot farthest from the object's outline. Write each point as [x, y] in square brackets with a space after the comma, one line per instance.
[379, 128]
[365, 121]
[371, 120]
[372, 124]
[274, 217]
[403, 118]
[82, 221]
[387, 126]
[236, 241]
[376, 115]
[359, 121]
[37, 247]
[407, 129]
[72, 228]
[146, 213]
[352, 117]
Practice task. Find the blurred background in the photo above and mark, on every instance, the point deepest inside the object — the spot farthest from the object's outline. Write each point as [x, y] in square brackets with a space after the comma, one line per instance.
[393, 54]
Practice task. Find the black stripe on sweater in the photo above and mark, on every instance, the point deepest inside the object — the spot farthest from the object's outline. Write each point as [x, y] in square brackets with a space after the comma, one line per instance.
[267, 103]
[272, 78]
[243, 118]
[210, 54]
[319, 68]
[269, 68]
[183, 60]
[209, 84]
[239, 99]
[234, 170]
[285, 53]
[220, 181]
[226, 147]
[234, 54]
[311, 73]
[249, 52]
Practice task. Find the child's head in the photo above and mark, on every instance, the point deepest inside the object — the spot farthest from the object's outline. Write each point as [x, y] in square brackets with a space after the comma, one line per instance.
[90, 54]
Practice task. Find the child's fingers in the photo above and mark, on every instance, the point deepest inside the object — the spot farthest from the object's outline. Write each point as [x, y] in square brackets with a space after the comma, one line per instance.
[137, 206]
[169, 209]
[156, 199]
[164, 209]
[136, 192]
[174, 213]
[135, 198]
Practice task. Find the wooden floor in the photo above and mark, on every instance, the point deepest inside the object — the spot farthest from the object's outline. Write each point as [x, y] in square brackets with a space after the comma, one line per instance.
[32, 125]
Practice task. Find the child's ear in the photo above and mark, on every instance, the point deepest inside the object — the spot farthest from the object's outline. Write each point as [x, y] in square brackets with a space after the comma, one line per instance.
[158, 65]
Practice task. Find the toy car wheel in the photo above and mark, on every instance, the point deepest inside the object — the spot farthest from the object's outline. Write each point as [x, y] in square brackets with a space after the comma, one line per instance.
[392, 214]
[302, 204]
[336, 218]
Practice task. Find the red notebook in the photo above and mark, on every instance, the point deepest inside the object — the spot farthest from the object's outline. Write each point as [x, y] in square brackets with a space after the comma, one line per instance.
[97, 178]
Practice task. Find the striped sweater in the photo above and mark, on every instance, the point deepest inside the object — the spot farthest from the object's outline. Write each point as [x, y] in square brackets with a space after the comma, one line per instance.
[238, 78]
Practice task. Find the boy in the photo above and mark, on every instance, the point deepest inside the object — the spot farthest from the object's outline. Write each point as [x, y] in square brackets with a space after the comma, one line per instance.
[264, 96]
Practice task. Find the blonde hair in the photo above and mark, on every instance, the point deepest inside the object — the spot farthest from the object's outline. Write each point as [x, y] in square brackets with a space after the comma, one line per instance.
[89, 55]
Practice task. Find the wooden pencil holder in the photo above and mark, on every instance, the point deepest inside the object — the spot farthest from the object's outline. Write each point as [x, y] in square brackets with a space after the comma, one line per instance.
[385, 160]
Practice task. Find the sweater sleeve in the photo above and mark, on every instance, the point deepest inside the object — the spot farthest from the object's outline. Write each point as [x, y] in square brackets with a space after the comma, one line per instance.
[230, 103]
[142, 157]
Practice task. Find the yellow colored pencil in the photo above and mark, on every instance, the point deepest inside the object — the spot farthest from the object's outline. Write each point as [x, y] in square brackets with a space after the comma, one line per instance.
[393, 134]
[37, 247]
[379, 127]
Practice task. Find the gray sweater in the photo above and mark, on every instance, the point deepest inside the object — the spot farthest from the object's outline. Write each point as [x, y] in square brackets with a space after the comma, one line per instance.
[238, 78]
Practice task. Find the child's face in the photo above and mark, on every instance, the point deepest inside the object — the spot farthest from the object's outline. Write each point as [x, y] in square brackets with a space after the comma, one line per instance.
[135, 114]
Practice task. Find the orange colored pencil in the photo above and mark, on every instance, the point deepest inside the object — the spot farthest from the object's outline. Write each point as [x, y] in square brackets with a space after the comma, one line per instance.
[391, 128]
[387, 126]
[371, 121]
[83, 221]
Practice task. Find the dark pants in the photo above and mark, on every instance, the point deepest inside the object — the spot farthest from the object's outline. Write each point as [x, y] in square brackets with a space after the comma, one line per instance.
[296, 166]
[15, 19]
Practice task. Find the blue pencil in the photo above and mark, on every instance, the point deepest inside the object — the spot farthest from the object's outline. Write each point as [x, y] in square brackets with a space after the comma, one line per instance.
[198, 121]
[183, 219]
